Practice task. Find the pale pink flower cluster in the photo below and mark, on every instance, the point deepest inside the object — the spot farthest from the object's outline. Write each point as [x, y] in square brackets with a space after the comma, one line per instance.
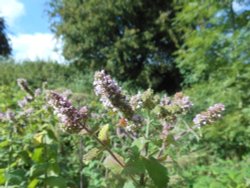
[111, 95]
[136, 101]
[22, 103]
[209, 116]
[9, 115]
[72, 119]
[180, 100]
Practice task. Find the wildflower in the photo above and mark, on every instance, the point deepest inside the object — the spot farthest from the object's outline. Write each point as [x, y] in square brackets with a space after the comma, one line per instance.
[23, 84]
[72, 118]
[26, 112]
[182, 101]
[136, 101]
[38, 92]
[22, 103]
[9, 115]
[209, 116]
[111, 94]
[165, 100]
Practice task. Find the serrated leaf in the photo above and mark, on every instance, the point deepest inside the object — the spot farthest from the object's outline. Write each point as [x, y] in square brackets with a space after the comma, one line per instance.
[157, 172]
[134, 166]
[111, 164]
[104, 134]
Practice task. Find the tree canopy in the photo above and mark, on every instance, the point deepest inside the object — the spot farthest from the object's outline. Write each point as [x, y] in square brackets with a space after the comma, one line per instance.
[130, 39]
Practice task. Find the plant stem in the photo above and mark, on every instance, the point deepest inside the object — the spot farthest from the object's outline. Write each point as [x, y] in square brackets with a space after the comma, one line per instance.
[185, 132]
[80, 160]
[105, 147]
[109, 151]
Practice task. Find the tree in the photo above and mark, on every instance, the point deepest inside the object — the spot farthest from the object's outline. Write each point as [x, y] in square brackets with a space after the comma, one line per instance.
[215, 61]
[5, 49]
[131, 39]
[215, 37]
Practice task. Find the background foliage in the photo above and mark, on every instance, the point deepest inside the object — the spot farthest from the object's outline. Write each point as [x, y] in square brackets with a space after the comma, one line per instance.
[199, 48]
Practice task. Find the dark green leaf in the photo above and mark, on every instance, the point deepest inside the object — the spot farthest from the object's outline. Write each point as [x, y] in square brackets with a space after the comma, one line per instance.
[157, 172]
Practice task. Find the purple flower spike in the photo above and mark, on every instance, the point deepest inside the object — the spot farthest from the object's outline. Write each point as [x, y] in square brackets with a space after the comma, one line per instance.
[213, 113]
[72, 119]
[111, 94]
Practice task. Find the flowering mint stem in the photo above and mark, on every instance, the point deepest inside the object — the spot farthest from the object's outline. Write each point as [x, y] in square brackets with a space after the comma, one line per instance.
[104, 146]
[108, 150]
[186, 132]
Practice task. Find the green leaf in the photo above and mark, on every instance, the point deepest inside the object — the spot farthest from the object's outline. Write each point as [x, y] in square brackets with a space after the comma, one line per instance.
[55, 181]
[38, 169]
[2, 176]
[90, 155]
[33, 183]
[4, 143]
[112, 164]
[103, 134]
[15, 176]
[25, 157]
[157, 172]
[140, 143]
[134, 166]
[129, 184]
[37, 155]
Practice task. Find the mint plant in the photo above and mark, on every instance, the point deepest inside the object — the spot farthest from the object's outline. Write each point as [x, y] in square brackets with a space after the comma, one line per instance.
[142, 163]
[134, 150]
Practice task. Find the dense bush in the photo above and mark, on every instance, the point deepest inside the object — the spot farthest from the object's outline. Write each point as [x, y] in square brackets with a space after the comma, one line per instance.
[36, 72]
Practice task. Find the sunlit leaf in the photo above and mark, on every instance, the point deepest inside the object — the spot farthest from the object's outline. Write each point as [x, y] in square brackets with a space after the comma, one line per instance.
[111, 164]
[91, 154]
[104, 134]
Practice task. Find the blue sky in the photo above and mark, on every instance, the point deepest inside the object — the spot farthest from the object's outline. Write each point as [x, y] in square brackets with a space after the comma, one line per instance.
[28, 30]
[34, 18]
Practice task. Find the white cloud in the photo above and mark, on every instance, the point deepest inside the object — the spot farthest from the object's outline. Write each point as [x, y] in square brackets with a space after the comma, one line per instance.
[42, 46]
[11, 10]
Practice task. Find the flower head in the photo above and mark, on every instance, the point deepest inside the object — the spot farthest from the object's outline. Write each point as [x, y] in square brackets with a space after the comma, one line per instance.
[111, 95]
[23, 84]
[136, 101]
[209, 116]
[72, 118]
[182, 101]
